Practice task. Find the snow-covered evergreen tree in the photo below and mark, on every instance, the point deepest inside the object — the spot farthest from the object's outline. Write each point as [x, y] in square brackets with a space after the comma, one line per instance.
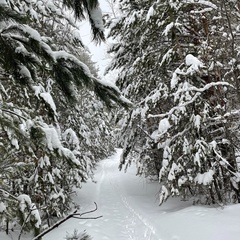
[51, 134]
[179, 65]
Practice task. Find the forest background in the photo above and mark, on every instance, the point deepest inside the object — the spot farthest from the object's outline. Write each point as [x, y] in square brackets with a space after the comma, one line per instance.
[176, 61]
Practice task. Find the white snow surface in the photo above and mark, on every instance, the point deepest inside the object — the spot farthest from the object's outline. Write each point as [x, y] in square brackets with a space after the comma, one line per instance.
[129, 206]
[194, 62]
[2, 207]
[164, 125]
[150, 13]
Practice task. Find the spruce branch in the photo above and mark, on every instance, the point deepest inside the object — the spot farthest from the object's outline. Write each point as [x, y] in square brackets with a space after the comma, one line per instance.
[8, 194]
[13, 113]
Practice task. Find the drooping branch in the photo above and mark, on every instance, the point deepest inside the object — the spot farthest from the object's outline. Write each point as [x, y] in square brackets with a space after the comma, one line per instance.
[13, 113]
[8, 194]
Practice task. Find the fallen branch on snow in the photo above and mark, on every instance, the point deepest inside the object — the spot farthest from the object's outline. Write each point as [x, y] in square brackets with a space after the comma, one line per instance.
[75, 214]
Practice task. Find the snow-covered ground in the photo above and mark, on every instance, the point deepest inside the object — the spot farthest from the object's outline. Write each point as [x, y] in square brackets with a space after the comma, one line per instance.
[129, 206]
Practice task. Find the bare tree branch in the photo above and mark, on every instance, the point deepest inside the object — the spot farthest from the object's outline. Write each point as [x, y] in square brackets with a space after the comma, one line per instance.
[74, 214]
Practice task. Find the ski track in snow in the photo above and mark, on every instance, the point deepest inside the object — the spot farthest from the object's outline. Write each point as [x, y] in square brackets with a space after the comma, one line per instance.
[149, 230]
[123, 213]
[130, 211]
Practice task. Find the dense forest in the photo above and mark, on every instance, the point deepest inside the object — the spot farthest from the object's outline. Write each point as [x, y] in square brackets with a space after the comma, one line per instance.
[174, 109]
[178, 63]
[54, 110]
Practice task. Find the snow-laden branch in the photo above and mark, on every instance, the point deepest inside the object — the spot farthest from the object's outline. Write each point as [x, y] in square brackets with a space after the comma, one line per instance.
[13, 113]
[205, 88]
[231, 114]
[198, 93]
[202, 2]
[175, 108]
[7, 194]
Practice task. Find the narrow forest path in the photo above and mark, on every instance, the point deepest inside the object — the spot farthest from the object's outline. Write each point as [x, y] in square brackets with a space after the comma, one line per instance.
[129, 206]
[122, 219]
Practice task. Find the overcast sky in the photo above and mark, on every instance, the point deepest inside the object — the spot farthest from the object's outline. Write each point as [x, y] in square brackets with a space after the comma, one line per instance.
[98, 52]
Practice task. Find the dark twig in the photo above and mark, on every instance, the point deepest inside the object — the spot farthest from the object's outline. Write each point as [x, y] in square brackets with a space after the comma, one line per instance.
[75, 214]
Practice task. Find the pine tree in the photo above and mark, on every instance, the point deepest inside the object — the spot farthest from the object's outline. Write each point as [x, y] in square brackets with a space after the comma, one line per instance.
[181, 81]
[42, 75]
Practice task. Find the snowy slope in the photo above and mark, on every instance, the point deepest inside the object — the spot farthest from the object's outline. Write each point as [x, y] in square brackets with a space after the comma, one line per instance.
[130, 210]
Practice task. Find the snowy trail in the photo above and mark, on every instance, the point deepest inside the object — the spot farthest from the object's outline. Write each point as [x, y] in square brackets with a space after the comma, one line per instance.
[119, 216]
[130, 211]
